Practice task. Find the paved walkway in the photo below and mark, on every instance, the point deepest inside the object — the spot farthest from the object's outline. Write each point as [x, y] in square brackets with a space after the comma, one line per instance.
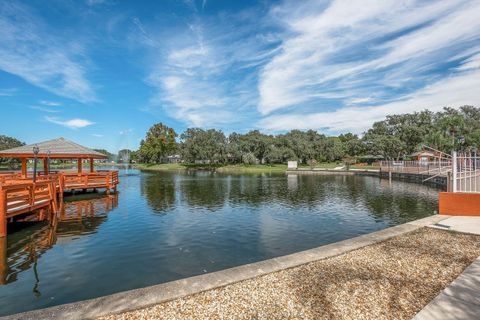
[460, 224]
[461, 299]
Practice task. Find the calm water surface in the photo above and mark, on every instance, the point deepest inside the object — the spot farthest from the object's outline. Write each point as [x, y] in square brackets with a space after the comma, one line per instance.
[166, 226]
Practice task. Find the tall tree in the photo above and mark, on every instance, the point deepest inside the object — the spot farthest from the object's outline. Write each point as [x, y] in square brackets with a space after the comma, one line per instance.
[159, 142]
[209, 146]
[7, 142]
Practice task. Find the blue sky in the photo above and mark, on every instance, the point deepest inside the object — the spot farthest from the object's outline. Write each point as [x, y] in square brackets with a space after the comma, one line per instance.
[102, 72]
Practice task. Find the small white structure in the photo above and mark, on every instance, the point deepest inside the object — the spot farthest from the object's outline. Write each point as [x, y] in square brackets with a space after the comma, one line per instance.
[292, 165]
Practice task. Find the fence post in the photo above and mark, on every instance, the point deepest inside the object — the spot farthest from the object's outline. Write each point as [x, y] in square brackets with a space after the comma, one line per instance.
[3, 260]
[454, 171]
[449, 182]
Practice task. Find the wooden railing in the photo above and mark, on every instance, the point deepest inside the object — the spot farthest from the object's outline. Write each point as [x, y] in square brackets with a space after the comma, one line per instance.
[23, 197]
[67, 180]
[20, 195]
[9, 176]
[88, 180]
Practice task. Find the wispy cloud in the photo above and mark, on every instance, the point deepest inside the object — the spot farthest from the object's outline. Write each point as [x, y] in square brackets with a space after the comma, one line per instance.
[71, 124]
[50, 103]
[96, 135]
[343, 65]
[305, 62]
[95, 2]
[125, 132]
[453, 91]
[44, 109]
[206, 76]
[8, 92]
[29, 49]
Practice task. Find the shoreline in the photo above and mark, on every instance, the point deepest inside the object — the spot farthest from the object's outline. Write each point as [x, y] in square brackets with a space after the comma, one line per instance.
[242, 168]
[392, 279]
[153, 295]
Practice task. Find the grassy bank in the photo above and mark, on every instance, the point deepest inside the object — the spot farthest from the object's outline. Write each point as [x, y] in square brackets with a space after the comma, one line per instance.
[240, 168]
[233, 168]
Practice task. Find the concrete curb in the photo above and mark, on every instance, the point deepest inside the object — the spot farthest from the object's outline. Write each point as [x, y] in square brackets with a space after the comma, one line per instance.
[459, 300]
[351, 172]
[144, 297]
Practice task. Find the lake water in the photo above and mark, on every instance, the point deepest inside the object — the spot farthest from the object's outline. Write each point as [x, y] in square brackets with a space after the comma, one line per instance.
[166, 226]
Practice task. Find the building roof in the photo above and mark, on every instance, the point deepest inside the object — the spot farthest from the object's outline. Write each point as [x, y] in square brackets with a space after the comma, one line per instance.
[424, 153]
[59, 149]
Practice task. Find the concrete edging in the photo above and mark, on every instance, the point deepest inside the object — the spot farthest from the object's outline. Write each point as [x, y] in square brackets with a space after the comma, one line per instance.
[148, 296]
[343, 172]
[459, 300]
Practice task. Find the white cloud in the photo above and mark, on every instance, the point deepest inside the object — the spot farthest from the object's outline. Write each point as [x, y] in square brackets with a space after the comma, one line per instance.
[200, 80]
[72, 123]
[8, 92]
[50, 103]
[454, 91]
[96, 135]
[94, 2]
[471, 63]
[44, 109]
[29, 49]
[125, 132]
[357, 48]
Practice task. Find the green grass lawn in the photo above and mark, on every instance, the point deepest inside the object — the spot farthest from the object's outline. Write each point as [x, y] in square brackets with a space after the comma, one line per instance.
[322, 165]
[231, 168]
[238, 168]
[160, 167]
[252, 168]
[365, 167]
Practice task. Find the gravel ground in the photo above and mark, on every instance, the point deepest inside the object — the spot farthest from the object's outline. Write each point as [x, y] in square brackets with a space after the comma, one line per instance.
[390, 280]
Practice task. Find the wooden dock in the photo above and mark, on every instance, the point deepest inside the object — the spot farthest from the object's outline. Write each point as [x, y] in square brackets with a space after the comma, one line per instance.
[23, 192]
[20, 197]
[88, 180]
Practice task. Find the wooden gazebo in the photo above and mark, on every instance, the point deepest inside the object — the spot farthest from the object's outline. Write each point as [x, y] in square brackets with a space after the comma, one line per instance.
[53, 149]
[23, 192]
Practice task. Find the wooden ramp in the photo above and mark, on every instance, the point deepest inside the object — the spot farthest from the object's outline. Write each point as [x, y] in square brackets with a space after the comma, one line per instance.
[20, 197]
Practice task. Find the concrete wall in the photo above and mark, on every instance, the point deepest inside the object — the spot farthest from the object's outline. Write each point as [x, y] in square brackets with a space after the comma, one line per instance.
[439, 182]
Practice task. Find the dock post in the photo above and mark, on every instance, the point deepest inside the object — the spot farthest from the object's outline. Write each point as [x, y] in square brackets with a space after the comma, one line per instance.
[24, 167]
[3, 213]
[41, 214]
[3, 260]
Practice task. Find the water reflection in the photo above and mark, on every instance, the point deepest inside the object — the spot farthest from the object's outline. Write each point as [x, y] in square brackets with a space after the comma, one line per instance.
[212, 191]
[21, 251]
[159, 191]
[171, 225]
[205, 189]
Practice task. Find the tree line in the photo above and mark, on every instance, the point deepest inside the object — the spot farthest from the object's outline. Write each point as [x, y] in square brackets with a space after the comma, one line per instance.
[395, 137]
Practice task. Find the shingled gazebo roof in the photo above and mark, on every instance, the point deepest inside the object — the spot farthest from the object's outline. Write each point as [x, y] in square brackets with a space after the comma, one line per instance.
[59, 149]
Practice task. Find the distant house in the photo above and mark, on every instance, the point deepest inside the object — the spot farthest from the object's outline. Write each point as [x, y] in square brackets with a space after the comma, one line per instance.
[175, 158]
[425, 155]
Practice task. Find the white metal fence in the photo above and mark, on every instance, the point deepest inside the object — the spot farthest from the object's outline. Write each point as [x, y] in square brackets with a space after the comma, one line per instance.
[465, 172]
[436, 167]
